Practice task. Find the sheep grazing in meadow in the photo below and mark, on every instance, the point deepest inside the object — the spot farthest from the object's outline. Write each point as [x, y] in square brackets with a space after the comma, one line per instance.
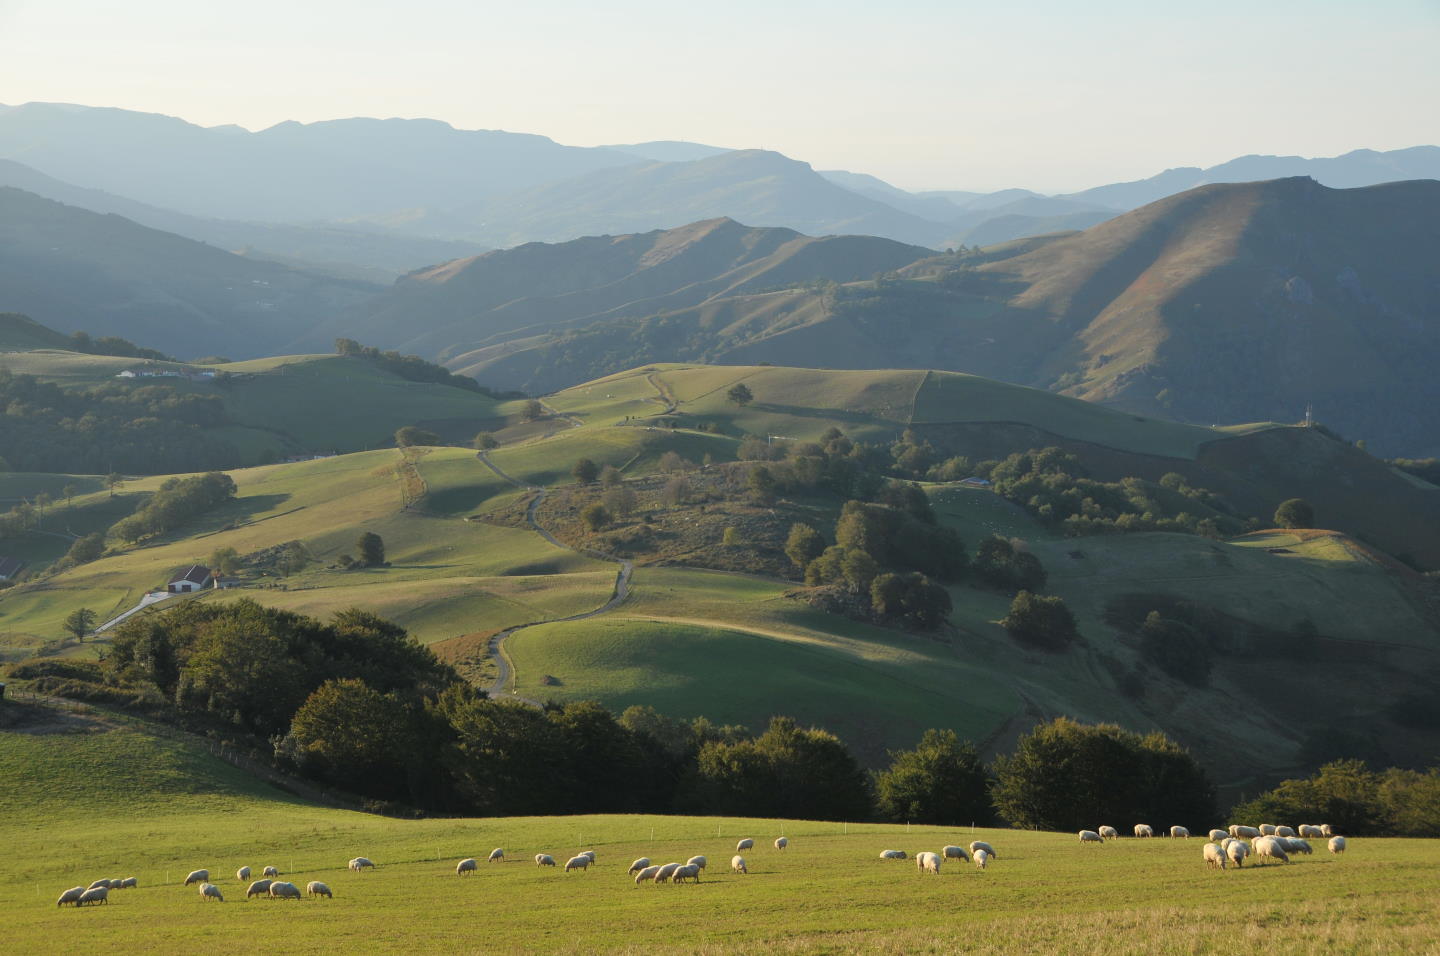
[663, 874]
[1219, 835]
[580, 862]
[1214, 855]
[466, 865]
[130, 883]
[1109, 833]
[1237, 851]
[639, 865]
[1267, 829]
[116, 883]
[497, 855]
[1241, 832]
[982, 858]
[209, 891]
[892, 855]
[1268, 846]
[270, 871]
[737, 863]
[690, 871]
[781, 843]
[699, 861]
[360, 863]
[1326, 830]
[258, 888]
[745, 844]
[1285, 832]
[955, 853]
[647, 874]
[544, 859]
[977, 845]
[242, 874]
[1090, 836]
[71, 896]
[99, 883]
[197, 876]
[589, 853]
[98, 894]
[928, 862]
[316, 888]
[281, 890]
[1310, 832]
[1293, 845]
[1179, 832]
[1337, 844]
[1144, 830]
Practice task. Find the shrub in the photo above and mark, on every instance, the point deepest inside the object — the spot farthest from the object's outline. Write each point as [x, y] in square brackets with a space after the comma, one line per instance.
[1040, 620]
[596, 516]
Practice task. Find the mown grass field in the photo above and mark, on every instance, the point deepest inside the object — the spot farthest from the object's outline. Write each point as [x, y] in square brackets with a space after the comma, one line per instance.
[169, 807]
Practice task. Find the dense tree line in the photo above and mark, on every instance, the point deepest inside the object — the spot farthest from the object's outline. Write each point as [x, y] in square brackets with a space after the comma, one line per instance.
[176, 501]
[114, 345]
[413, 368]
[1356, 800]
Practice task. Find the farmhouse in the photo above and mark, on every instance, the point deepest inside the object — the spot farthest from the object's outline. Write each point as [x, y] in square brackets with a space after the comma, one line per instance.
[9, 567]
[192, 578]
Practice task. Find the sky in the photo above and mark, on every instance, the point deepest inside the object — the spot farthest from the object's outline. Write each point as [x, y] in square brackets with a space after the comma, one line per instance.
[926, 94]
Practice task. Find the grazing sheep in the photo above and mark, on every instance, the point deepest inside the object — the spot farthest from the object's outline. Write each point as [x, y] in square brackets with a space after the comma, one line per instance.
[893, 855]
[1144, 830]
[781, 843]
[280, 890]
[1310, 831]
[242, 874]
[1267, 829]
[1284, 832]
[646, 874]
[745, 844]
[1109, 833]
[98, 894]
[360, 863]
[589, 853]
[580, 862]
[466, 865]
[699, 861]
[1237, 851]
[639, 865]
[496, 854]
[982, 845]
[209, 891]
[1337, 844]
[71, 896]
[1326, 830]
[197, 876]
[955, 853]
[981, 858]
[928, 862]
[270, 871]
[99, 883]
[316, 888]
[1218, 835]
[690, 871]
[116, 883]
[544, 859]
[1293, 845]
[737, 863]
[662, 875]
[259, 888]
[130, 882]
[1270, 847]
[1239, 832]
[1179, 832]
[1090, 836]
[1214, 855]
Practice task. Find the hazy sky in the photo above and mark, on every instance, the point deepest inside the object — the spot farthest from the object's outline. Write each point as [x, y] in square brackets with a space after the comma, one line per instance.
[925, 93]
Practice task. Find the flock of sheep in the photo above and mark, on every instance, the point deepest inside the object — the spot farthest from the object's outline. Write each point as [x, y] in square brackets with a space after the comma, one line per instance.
[271, 886]
[980, 853]
[642, 869]
[1224, 847]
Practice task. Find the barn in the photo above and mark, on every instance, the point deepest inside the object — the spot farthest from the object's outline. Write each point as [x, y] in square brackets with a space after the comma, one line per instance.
[193, 578]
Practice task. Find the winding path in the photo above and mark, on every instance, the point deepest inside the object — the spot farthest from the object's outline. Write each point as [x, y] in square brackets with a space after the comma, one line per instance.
[496, 648]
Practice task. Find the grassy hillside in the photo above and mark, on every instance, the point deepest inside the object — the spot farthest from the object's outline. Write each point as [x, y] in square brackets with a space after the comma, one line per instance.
[19, 333]
[176, 808]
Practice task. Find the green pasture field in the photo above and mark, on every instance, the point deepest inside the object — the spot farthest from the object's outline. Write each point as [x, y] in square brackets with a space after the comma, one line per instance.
[100, 798]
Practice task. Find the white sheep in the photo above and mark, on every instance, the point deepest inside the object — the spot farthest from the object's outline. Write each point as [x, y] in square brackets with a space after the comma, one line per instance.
[1090, 836]
[1285, 832]
[893, 855]
[496, 855]
[1326, 830]
[589, 853]
[646, 874]
[982, 857]
[258, 888]
[280, 890]
[466, 865]
[1294, 845]
[1179, 832]
[662, 875]
[1219, 835]
[360, 863]
[955, 853]
[1242, 832]
[1310, 832]
[928, 862]
[544, 859]
[197, 876]
[99, 883]
[242, 874]
[71, 896]
[580, 862]
[690, 871]
[1237, 851]
[745, 844]
[737, 863]
[639, 865]
[98, 894]
[781, 843]
[130, 882]
[1268, 846]
[316, 888]
[270, 871]
[1337, 844]
[1109, 833]
[699, 861]
[1214, 855]
[209, 891]
[982, 845]
[1267, 829]
[1144, 830]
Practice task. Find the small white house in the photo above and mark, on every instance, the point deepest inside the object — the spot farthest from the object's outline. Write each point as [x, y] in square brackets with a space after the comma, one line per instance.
[193, 578]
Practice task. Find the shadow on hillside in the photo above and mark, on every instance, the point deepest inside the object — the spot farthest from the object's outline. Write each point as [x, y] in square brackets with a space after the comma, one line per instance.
[825, 414]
